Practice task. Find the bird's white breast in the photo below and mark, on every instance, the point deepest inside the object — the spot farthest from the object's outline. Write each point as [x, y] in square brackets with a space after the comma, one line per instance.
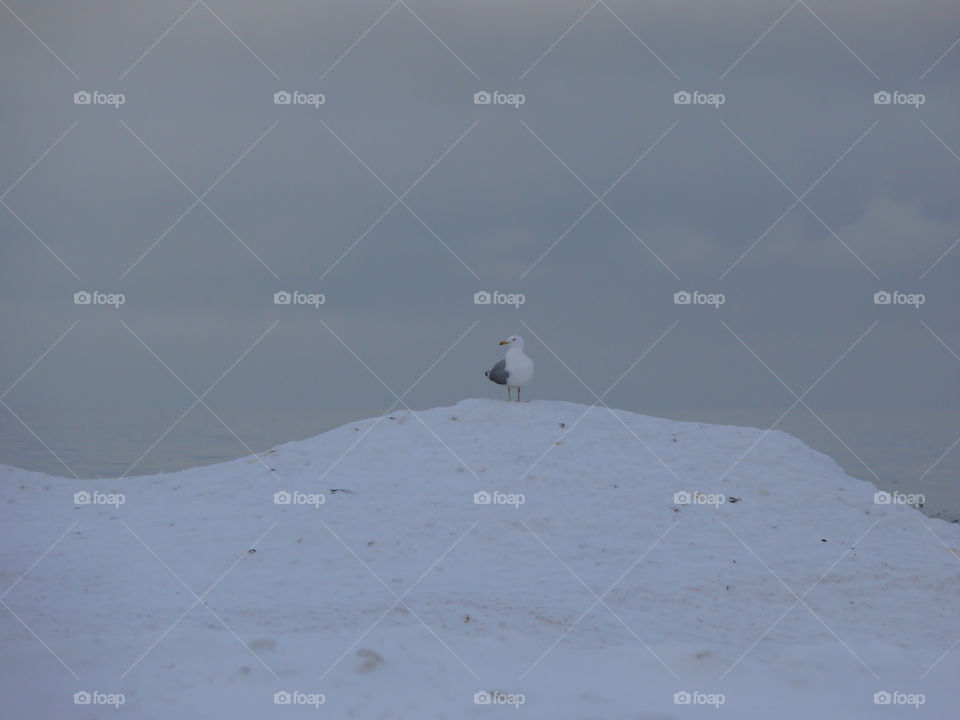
[520, 368]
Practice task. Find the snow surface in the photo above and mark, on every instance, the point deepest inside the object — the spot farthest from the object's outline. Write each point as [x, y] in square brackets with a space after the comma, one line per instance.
[597, 597]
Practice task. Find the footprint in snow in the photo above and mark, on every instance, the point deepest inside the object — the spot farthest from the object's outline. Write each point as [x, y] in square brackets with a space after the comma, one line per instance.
[370, 660]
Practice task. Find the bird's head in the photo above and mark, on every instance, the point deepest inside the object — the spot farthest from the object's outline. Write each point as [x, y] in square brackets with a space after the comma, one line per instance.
[514, 341]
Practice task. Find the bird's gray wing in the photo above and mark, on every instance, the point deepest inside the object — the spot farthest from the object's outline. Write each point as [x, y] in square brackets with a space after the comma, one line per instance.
[499, 373]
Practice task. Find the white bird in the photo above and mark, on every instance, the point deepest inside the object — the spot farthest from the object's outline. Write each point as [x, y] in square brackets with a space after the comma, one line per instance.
[515, 370]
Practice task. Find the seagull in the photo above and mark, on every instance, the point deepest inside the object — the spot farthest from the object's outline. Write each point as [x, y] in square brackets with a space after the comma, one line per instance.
[515, 370]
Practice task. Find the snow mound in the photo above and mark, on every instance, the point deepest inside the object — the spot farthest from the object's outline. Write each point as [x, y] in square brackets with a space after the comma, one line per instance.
[570, 561]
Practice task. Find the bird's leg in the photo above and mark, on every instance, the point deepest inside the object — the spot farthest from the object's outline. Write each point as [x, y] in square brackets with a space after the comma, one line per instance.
[508, 394]
[518, 394]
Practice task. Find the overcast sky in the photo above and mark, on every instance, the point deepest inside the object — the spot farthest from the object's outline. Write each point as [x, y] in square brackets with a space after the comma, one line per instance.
[798, 199]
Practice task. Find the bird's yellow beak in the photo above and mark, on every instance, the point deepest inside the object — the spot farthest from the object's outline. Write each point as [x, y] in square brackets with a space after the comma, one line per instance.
[504, 342]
